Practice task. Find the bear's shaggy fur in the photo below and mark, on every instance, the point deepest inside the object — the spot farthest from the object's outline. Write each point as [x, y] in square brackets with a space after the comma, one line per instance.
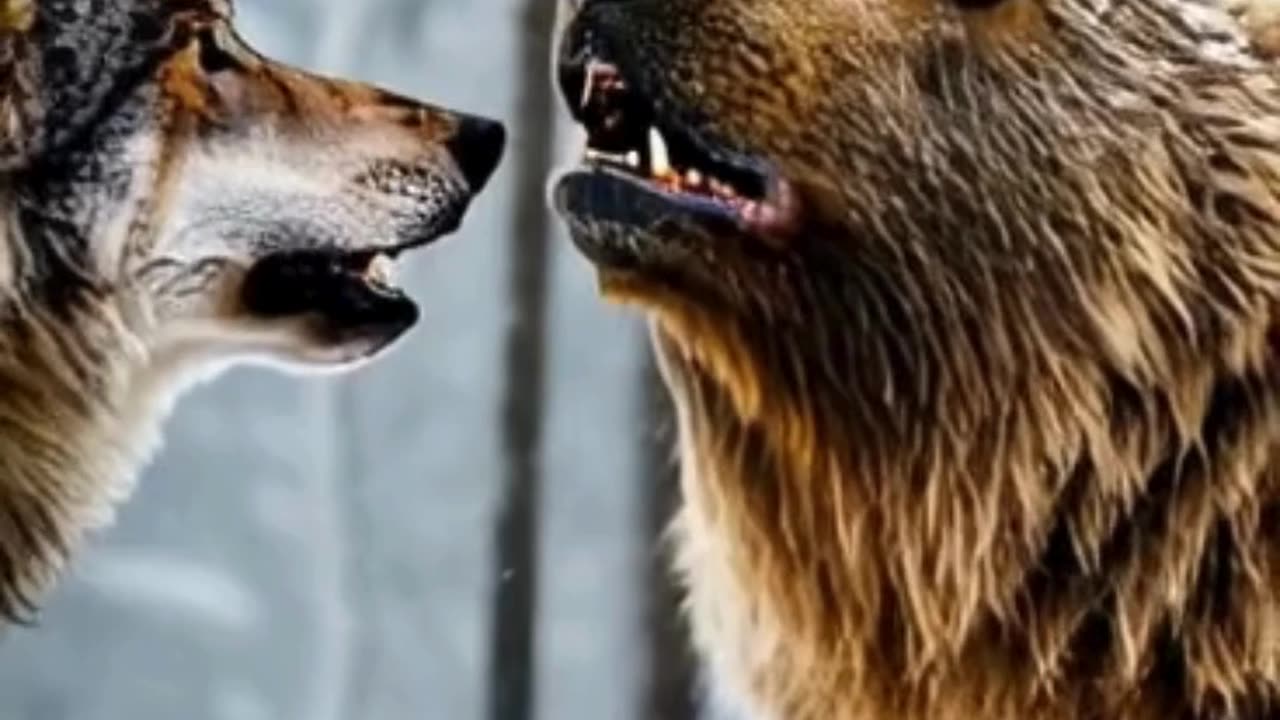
[993, 430]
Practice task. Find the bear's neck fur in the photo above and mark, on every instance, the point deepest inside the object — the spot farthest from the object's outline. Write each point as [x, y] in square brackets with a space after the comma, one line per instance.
[1075, 546]
[947, 486]
[993, 433]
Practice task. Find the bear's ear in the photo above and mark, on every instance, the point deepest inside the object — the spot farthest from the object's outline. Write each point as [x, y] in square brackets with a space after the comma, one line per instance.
[1261, 22]
[17, 96]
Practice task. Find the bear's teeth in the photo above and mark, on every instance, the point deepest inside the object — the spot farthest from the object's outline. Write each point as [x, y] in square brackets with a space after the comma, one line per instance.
[722, 189]
[598, 73]
[631, 159]
[659, 158]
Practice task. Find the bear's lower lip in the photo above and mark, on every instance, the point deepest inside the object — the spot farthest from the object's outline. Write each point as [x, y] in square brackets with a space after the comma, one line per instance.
[621, 220]
[607, 194]
[646, 175]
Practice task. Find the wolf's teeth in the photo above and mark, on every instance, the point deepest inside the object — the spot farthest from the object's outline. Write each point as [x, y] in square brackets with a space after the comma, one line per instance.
[381, 270]
[693, 178]
[633, 159]
[659, 158]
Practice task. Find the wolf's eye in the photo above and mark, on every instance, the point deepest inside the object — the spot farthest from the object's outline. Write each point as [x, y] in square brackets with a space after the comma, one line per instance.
[978, 4]
[214, 55]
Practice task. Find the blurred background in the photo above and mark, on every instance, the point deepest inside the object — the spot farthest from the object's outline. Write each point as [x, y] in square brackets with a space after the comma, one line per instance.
[466, 529]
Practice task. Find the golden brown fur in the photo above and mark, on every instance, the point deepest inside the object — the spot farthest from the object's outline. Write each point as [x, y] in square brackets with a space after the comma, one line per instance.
[997, 433]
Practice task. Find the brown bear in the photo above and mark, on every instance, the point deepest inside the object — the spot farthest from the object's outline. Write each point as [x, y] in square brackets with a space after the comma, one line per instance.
[970, 312]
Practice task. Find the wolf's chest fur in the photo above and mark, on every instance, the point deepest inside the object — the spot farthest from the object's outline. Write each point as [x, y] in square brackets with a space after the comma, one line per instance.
[76, 421]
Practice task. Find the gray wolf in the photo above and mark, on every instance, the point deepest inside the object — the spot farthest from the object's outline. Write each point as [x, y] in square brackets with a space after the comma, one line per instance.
[173, 203]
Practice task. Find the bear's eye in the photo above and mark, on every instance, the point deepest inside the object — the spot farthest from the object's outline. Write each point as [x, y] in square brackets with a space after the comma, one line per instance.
[215, 56]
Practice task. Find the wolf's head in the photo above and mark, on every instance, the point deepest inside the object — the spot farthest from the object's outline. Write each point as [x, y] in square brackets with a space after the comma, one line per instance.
[171, 202]
[246, 209]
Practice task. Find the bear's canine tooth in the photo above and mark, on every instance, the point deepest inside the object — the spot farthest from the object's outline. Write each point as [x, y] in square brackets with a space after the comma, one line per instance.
[659, 158]
[595, 68]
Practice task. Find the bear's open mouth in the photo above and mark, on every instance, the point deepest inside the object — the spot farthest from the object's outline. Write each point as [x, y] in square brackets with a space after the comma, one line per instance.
[641, 166]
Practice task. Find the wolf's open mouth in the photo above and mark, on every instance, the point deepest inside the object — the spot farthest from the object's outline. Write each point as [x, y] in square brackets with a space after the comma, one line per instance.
[641, 166]
[352, 291]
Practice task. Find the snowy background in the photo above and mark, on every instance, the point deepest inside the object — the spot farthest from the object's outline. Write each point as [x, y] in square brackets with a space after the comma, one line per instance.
[330, 549]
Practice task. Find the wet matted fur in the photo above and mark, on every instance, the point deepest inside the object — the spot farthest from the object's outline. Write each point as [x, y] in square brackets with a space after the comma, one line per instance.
[978, 367]
[171, 202]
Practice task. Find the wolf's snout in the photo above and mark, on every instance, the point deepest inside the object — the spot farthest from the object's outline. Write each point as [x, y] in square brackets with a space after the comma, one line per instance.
[477, 147]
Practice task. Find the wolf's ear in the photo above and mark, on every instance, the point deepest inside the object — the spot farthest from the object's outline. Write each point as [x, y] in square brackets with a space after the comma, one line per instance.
[16, 83]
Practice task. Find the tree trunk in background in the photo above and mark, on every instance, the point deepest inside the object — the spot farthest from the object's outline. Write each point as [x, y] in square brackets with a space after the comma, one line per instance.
[515, 567]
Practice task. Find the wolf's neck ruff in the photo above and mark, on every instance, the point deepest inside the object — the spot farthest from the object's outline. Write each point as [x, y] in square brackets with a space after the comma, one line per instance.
[73, 430]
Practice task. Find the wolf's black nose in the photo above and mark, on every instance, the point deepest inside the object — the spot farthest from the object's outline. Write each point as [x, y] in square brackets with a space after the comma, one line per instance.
[477, 147]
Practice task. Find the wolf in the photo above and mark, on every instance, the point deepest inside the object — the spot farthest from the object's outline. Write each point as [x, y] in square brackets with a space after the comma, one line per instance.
[172, 203]
[971, 314]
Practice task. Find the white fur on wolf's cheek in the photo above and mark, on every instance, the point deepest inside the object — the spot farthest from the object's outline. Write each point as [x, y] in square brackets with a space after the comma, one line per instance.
[142, 156]
[233, 201]
[226, 196]
[219, 174]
